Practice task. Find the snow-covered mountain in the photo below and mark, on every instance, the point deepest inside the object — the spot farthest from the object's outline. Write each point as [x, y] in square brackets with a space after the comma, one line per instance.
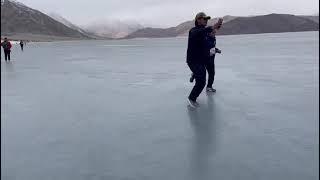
[19, 20]
[105, 28]
[112, 28]
[66, 22]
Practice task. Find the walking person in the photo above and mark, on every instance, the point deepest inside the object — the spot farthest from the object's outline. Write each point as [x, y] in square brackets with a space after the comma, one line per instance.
[197, 54]
[6, 45]
[210, 65]
[21, 45]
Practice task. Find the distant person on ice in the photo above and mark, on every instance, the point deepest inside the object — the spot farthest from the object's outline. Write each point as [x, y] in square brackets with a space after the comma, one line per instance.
[210, 65]
[6, 45]
[21, 45]
[198, 54]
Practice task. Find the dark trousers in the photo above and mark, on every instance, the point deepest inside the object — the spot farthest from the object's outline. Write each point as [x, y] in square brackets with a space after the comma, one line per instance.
[199, 72]
[7, 54]
[21, 45]
[211, 71]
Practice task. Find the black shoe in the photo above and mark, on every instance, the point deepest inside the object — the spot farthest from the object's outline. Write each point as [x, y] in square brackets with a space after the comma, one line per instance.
[193, 104]
[210, 89]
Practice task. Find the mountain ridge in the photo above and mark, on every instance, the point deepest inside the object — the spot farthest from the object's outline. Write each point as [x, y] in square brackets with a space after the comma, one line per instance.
[270, 23]
[22, 22]
[19, 19]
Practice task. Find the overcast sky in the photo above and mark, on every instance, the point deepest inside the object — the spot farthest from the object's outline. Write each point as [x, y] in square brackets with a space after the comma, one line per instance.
[166, 12]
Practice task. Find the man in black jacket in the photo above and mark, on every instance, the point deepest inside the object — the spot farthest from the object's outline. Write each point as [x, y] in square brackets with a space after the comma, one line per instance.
[198, 55]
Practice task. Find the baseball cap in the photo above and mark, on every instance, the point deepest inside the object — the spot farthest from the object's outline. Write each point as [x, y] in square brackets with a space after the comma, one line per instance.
[202, 15]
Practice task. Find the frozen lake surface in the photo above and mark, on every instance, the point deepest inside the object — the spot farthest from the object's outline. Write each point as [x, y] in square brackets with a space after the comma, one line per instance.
[116, 110]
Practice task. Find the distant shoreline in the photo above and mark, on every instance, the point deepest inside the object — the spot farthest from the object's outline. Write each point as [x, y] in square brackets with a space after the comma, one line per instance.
[38, 37]
[45, 38]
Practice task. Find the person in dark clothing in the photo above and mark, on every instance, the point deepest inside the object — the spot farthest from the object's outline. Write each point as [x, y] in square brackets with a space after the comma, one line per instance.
[198, 54]
[6, 45]
[210, 65]
[21, 45]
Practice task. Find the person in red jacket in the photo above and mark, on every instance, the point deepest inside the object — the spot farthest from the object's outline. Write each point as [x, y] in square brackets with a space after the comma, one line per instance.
[6, 48]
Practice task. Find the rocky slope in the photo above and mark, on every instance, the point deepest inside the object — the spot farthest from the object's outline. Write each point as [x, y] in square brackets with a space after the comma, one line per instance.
[18, 19]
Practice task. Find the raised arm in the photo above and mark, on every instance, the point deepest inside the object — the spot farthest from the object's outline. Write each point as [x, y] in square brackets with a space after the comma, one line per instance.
[200, 32]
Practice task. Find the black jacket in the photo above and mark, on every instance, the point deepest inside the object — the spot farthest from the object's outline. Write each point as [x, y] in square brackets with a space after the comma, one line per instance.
[197, 52]
[211, 42]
